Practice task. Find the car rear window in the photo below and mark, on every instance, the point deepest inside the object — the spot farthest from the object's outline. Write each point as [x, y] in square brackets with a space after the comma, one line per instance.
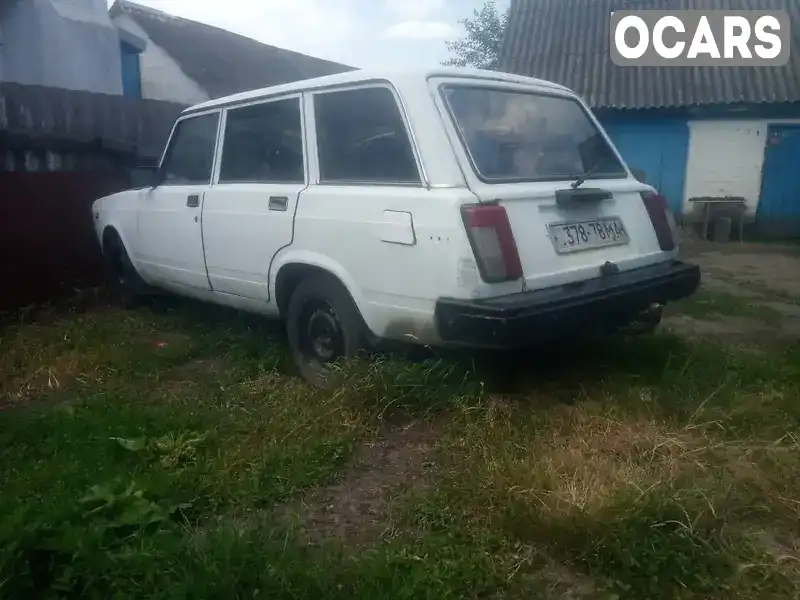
[524, 136]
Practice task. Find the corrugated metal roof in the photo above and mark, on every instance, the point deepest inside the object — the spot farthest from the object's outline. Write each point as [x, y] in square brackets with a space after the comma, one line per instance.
[567, 41]
[222, 62]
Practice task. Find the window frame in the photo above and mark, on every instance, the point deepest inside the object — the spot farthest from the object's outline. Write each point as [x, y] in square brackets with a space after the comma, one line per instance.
[170, 141]
[300, 97]
[313, 93]
[531, 92]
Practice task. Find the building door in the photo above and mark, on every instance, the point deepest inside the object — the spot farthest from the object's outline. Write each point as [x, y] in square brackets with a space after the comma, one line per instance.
[780, 183]
[660, 149]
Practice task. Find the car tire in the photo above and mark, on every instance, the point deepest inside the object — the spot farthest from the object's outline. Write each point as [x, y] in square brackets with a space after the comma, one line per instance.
[126, 285]
[323, 325]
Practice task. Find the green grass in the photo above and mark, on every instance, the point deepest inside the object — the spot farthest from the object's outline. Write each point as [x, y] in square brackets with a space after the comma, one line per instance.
[716, 304]
[155, 453]
[655, 492]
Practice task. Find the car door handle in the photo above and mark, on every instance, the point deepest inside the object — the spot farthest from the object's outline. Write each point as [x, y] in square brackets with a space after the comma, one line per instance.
[193, 200]
[278, 202]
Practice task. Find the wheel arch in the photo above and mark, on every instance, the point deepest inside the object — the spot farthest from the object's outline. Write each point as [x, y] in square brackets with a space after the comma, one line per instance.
[293, 268]
[109, 230]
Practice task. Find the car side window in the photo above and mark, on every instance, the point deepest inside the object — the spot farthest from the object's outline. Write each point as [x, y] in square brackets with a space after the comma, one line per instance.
[361, 137]
[263, 143]
[190, 156]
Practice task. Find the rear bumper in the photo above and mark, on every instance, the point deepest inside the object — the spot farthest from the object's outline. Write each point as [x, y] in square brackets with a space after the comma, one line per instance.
[528, 319]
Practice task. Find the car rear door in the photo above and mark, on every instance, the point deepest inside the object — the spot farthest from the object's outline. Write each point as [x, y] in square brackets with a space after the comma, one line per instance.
[523, 148]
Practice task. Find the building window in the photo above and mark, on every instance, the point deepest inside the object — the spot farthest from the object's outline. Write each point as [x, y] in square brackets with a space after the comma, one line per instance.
[131, 71]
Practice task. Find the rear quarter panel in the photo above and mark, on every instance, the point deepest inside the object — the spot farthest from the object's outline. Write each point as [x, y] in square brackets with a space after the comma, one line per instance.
[394, 277]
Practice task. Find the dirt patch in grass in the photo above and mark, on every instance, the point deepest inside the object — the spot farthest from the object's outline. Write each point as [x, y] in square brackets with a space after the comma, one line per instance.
[746, 296]
[786, 309]
[195, 372]
[774, 271]
[161, 340]
[691, 247]
[729, 329]
[727, 286]
[357, 509]
[49, 378]
[783, 545]
[737, 330]
[561, 583]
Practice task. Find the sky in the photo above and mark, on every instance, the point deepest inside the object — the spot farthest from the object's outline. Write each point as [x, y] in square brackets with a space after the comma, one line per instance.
[361, 33]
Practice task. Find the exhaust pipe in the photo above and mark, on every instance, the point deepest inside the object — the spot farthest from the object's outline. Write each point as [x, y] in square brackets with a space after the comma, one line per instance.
[646, 321]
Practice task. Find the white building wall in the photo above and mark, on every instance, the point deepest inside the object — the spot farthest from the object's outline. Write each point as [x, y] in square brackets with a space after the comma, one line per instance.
[67, 44]
[726, 157]
[162, 78]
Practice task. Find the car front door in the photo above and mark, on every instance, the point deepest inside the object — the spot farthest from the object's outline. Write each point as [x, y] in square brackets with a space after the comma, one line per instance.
[248, 213]
[170, 244]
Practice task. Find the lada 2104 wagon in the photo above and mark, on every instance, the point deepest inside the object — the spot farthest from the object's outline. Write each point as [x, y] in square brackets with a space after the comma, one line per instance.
[447, 207]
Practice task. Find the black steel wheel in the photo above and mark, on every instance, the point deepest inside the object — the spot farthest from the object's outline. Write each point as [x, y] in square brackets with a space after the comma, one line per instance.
[323, 326]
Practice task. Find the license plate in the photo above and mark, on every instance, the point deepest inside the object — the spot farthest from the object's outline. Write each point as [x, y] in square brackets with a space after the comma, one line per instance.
[585, 235]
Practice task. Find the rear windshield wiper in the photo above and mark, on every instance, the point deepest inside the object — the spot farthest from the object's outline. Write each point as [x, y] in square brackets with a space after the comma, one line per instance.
[582, 178]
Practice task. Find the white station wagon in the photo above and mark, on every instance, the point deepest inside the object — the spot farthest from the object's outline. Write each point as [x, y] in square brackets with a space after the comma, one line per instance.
[447, 207]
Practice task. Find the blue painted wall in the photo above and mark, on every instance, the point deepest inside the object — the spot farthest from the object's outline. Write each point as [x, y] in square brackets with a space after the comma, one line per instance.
[659, 147]
[780, 183]
[131, 71]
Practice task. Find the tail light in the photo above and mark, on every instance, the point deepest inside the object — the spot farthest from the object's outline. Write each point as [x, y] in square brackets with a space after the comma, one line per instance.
[661, 218]
[492, 242]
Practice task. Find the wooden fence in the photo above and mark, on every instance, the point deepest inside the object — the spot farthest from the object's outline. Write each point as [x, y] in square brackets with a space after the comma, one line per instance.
[47, 240]
[59, 151]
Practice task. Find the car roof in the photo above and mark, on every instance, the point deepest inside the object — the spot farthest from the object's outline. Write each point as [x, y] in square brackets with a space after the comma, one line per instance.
[355, 77]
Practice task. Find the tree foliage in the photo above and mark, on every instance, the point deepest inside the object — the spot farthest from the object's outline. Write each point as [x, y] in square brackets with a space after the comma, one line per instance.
[480, 46]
